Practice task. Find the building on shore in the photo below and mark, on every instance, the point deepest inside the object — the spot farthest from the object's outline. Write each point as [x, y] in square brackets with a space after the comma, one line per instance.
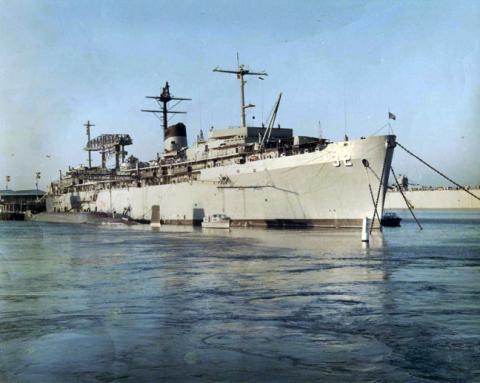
[14, 203]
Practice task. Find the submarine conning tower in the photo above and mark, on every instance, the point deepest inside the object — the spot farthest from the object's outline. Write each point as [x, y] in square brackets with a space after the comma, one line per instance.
[174, 136]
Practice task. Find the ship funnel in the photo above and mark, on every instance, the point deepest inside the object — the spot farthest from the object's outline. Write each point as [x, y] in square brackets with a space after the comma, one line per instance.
[175, 137]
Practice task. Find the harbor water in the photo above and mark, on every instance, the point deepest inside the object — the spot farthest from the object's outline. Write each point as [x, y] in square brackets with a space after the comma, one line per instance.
[113, 303]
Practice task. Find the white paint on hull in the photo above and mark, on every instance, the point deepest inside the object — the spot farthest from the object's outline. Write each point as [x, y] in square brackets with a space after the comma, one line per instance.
[328, 185]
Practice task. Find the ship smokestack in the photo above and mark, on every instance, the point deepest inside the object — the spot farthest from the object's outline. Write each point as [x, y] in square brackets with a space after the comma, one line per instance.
[175, 137]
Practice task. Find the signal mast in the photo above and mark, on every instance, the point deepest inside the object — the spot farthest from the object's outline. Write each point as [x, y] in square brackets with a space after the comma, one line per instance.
[87, 126]
[162, 100]
[241, 72]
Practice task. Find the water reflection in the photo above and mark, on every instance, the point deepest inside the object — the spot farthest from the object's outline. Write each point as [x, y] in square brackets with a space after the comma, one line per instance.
[87, 303]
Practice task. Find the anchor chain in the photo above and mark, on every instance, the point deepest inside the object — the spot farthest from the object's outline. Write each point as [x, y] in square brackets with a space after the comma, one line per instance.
[375, 213]
[367, 167]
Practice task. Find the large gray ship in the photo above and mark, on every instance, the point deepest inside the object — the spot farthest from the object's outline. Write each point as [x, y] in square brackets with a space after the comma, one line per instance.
[256, 175]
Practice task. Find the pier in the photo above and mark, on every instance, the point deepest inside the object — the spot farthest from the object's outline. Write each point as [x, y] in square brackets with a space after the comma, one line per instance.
[14, 204]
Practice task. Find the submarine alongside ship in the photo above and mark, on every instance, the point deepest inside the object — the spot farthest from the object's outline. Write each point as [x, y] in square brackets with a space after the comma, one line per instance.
[255, 175]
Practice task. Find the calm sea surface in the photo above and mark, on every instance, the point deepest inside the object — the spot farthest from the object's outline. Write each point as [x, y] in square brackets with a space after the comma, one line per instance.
[81, 303]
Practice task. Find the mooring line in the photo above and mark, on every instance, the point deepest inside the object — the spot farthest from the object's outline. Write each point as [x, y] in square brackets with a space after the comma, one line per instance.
[378, 193]
[438, 171]
[371, 192]
[405, 198]
[376, 211]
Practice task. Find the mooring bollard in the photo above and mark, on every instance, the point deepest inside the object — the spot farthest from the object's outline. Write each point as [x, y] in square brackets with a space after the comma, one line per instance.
[155, 219]
[365, 230]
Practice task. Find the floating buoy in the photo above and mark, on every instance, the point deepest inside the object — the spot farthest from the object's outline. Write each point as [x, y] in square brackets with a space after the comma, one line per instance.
[365, 230]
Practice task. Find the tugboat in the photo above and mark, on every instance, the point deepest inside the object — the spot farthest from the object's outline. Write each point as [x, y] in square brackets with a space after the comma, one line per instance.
[216, 221]
[391, 220]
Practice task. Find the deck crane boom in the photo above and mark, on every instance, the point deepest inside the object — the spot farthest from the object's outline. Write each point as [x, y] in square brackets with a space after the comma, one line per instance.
[268, 132]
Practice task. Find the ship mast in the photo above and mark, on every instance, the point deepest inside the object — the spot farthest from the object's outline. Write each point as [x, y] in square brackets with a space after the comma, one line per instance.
[241, 72]
[87, 126]
[163, 100]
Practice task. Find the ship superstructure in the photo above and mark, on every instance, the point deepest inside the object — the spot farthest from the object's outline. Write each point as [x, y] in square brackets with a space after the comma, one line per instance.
[257, 175]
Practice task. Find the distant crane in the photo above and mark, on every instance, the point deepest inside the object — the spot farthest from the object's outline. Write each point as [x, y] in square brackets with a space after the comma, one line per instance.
[110, 144]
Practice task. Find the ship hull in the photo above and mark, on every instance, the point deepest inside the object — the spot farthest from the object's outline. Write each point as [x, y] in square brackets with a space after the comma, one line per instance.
[328, 188]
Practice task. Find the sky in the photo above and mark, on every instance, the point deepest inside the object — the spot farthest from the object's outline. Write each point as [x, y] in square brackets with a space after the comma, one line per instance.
[341, 65]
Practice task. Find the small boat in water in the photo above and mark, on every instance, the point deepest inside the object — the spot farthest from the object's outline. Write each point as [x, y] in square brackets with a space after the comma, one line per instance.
[216, 221]
[391, 220]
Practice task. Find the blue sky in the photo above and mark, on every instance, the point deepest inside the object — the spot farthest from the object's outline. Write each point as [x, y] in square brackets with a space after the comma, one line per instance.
[63, 62]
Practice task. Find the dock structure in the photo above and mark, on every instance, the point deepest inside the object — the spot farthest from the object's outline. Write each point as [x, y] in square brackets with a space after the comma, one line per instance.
[15, 203]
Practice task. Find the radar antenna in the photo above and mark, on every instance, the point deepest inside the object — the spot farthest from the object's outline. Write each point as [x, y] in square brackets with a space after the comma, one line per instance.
[241, 72]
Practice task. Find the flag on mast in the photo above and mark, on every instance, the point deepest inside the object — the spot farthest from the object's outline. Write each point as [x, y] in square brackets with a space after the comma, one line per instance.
[391, 116]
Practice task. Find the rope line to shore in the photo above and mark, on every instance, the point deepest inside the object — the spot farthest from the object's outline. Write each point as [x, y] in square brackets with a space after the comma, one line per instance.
[405, 198]
[438, 171]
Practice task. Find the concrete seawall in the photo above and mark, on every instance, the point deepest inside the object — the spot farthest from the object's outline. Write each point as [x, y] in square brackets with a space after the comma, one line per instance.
[434, 199]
